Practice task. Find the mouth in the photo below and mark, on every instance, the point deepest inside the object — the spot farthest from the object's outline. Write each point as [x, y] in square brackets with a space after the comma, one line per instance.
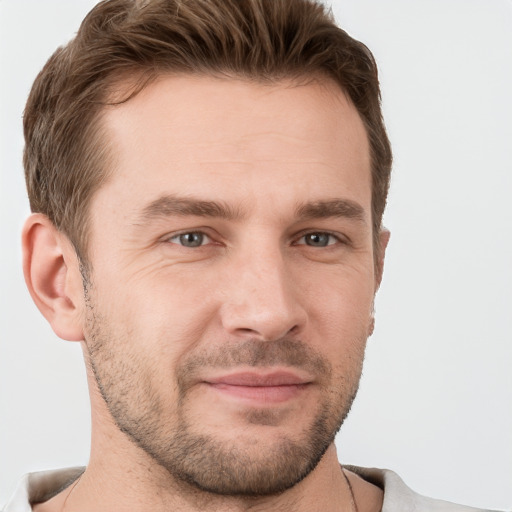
[263, 388]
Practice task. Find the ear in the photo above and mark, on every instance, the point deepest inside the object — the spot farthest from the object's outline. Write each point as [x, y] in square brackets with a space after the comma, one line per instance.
[53, 278]
[384, 237]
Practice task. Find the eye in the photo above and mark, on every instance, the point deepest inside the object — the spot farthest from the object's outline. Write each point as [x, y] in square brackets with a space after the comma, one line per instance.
[318, 239]
[190, 239]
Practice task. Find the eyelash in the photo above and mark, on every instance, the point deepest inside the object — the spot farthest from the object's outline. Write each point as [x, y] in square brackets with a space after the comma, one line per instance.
[337, 238]
[179, 235]
[203, 235]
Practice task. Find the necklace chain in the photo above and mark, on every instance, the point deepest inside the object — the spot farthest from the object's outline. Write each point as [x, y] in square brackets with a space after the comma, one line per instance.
[352, 497]
[75, 483]
[349, 485]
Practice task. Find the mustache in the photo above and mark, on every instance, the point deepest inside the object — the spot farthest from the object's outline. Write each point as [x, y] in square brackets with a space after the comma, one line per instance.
[254, 353]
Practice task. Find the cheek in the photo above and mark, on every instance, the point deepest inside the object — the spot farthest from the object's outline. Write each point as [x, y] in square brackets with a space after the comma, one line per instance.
[339, 320]
[165, 312]
[342, 299]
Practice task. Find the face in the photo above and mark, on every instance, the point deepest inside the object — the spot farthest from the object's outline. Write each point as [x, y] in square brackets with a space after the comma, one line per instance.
[232, 279]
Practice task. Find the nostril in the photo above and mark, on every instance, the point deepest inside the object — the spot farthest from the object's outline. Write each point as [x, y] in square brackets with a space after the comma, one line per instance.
[266, 334]
[246, 330]
[294, 330]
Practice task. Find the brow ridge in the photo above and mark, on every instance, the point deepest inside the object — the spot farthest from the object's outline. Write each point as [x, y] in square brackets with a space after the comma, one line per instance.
[330, 208]
[172, 205]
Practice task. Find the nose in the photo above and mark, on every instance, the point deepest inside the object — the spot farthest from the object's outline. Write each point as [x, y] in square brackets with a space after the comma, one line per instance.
[261, 298]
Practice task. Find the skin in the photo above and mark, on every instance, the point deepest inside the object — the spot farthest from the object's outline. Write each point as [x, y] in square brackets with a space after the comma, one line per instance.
[275, 286]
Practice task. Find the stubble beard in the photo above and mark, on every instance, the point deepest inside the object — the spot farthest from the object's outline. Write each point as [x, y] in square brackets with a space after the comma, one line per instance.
[202, 460]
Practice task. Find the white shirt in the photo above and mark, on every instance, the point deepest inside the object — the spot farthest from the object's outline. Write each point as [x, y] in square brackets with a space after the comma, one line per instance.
[38, 487]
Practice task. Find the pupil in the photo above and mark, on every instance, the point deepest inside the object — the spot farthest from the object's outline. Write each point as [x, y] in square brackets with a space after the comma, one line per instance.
[191, 239]
[318, 239]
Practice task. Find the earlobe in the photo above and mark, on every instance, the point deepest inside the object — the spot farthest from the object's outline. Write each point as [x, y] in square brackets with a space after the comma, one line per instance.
[51, 270]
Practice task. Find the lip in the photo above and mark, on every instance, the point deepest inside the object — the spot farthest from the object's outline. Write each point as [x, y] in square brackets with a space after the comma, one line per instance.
[260, 387]
[260, 379]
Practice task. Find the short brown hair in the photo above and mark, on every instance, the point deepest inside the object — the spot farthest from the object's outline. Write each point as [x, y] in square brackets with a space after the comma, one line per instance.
[66, 157]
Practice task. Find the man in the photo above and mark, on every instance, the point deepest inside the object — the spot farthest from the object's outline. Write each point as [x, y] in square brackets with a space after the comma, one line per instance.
[208, 180]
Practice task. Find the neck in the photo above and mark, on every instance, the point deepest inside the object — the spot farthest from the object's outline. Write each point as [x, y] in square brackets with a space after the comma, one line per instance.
[110, 484]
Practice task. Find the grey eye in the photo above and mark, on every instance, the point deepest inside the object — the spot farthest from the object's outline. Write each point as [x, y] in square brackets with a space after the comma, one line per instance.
[192, 239]
[318, 239]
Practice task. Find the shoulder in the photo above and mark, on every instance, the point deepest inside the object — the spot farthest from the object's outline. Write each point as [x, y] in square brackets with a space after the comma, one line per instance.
[398, 497]
[39, 487]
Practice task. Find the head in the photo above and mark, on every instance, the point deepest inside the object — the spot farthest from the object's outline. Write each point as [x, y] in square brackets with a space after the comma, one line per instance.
[213, 176]
[124, 45]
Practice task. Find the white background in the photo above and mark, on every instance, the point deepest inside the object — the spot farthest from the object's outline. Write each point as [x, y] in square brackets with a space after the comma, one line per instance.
[436, 397]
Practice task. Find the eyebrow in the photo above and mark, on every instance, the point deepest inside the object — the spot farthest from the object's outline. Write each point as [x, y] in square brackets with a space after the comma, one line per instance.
[331, 208]
[171, 205]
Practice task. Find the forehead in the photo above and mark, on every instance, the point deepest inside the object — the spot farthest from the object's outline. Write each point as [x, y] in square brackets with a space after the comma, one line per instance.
[230, 138]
